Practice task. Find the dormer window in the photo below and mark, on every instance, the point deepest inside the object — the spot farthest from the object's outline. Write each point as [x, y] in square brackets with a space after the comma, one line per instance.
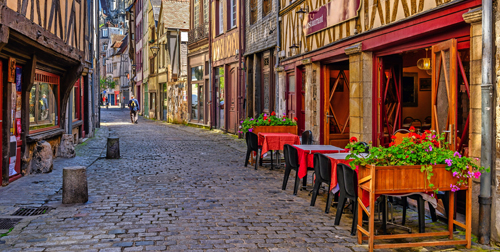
[104, 33]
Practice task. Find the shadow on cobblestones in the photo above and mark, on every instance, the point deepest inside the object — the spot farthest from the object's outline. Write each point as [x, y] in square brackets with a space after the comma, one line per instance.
[174, 188]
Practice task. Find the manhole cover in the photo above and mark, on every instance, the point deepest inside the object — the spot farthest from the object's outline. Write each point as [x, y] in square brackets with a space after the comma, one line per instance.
[30, 211]
[158, 179]
[8, 223]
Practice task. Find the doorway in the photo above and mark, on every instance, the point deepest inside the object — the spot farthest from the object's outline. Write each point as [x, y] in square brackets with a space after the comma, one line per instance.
[219, 92]
[232, 97]
[336, 104]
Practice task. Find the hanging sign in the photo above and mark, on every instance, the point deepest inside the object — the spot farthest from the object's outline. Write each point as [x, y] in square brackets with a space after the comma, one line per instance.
[11, 73]
[330, 14]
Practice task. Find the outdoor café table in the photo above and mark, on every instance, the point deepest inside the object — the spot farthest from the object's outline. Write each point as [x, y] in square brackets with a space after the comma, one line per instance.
[305, 155]
[276, 141]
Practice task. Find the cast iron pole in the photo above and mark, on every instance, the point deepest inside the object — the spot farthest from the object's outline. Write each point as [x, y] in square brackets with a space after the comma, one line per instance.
[486, 124]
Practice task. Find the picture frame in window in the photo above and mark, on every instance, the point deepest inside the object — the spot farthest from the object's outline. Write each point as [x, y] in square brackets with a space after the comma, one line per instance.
[425, 84]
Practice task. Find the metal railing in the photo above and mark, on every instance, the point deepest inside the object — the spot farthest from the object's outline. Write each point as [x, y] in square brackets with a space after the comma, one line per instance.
[198, 33]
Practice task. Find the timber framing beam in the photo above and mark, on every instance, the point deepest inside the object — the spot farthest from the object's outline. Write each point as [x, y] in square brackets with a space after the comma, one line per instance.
[37, 35]
[4, 36]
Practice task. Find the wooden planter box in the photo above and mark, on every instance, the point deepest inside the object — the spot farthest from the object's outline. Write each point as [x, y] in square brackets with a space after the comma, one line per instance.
[275, 129]
[406, 179]
[402, 180]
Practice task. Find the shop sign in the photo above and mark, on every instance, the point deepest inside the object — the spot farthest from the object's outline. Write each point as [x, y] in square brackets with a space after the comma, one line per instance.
[330, 14]
[11, 77]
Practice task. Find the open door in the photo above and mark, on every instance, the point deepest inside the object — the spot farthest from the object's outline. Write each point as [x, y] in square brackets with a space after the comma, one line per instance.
[291, 101]
[390, 74]
[336, 97]
[444, 90]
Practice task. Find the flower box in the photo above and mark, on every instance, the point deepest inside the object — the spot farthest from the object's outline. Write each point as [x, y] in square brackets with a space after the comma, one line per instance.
[275, 129]
[406, 179]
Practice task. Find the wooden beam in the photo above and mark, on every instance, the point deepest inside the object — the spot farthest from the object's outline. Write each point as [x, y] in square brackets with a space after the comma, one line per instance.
[6, 124]
[37, 36]
[4, 36]
[28, 78]
[67, 82]
[419, 244]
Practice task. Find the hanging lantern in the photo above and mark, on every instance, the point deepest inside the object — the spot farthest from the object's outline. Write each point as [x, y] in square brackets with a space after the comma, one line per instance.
[293, 49]
[424, 63]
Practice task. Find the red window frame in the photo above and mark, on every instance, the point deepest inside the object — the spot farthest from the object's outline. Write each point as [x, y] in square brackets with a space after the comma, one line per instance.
[53, 79]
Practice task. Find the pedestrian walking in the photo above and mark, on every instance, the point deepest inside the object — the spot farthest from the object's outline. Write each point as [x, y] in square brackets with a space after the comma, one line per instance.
[133, 105]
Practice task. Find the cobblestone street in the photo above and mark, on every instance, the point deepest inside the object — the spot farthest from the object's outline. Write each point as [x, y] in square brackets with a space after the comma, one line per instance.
[174, 188]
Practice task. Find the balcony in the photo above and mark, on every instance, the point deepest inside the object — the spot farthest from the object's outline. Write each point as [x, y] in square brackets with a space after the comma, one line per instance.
[198, 33]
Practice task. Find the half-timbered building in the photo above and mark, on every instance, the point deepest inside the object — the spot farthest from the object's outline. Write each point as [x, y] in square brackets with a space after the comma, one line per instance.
[368, 68]
[261, 37]
[44, 51]
[227, 48]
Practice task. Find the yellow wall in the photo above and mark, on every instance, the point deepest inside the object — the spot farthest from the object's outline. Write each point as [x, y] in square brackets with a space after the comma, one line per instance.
[372, 14]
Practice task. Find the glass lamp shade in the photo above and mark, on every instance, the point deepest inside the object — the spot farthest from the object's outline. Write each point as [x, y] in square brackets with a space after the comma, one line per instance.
[424, 64]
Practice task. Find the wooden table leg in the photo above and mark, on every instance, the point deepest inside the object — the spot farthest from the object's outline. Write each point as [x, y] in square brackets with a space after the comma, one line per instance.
[451, 210]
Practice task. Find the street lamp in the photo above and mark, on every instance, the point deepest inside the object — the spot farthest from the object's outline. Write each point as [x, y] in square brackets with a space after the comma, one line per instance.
[301, 13]
[154, 50]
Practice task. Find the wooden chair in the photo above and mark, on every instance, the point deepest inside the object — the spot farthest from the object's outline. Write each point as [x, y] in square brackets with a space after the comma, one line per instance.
[400, 134]
[408, 119]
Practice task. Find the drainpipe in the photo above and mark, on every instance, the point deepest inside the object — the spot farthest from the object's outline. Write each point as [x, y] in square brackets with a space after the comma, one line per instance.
[70, 113]
[278, 47]
[486, 124]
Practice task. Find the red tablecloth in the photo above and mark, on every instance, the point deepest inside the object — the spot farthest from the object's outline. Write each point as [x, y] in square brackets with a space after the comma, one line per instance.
[306, 159]
[365, 198]
[276, 141]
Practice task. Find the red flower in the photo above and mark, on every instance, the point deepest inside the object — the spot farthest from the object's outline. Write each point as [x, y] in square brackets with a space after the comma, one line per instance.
[265, 117]
[353, 139]
[427, 132]
[295, 118]
[391, 144]
[412, 129]
[273, 114]
[407, 156]
[269, 120]
[393, 137]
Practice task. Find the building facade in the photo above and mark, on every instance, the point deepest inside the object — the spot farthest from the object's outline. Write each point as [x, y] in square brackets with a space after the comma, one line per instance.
[199, 87]
[46, 86]
[261, 39]
[227, 46]
[173, 29]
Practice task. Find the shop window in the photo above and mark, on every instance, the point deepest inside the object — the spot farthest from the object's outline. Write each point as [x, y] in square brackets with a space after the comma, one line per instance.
[197, 73]
[44, 102]
[152, 101]
[253, 11]
[205, 11]
[220, 19]
[194, 102]
[267, 7]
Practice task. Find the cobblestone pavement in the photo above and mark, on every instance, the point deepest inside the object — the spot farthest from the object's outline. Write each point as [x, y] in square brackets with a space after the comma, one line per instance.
[174, 188]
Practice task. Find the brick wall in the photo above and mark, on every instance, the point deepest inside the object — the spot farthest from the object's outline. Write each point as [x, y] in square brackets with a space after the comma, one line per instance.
[257, 34]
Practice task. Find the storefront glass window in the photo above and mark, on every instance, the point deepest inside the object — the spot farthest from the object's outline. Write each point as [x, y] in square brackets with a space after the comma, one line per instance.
[43, 106]
[197, 73]
[201, 101]
[194, 102]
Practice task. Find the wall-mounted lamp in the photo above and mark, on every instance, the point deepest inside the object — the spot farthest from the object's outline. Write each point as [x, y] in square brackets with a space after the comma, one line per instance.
[301, 13]
[154, 50]
[294, 48]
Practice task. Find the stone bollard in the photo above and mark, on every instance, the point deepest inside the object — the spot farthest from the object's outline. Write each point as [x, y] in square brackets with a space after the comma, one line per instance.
[75, 188]
[113, 148]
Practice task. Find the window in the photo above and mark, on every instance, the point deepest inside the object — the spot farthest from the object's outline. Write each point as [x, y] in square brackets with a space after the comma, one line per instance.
[105, 33]
[267, 7]
[221, 17]
[232, 12]
[196, 13]
[194, 101]
[253, 11]
[205, 11]
[104, 47]
[197, 73]
[114, 66]
[152, 101]
[44, 102]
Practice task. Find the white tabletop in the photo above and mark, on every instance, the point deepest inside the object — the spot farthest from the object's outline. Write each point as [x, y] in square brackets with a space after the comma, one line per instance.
[343, 155]
[318, 147]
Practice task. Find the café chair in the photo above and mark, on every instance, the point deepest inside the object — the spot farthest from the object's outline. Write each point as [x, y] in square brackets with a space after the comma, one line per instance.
[400, 134]
[307, 137]
[252, 145]
[323, 171]
[408, 119]
[291, 163]
[428, 120]
[348, 189]
[421, 209]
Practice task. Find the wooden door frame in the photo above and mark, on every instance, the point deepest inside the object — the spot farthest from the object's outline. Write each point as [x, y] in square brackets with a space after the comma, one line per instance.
[325, 98]
[287, 85]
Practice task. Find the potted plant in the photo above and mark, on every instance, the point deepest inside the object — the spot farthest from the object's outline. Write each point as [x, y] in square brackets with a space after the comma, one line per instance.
[269, 123]
[421, 161]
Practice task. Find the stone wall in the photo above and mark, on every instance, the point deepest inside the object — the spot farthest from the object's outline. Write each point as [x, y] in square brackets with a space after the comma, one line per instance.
[177, 102]
[312, 99]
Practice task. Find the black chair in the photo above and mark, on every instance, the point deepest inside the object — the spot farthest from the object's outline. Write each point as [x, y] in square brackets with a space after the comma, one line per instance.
[367, 148]
[421, 209]
[348, 189]
[323, 171]
[291, 163]
[252, 145]
[408, 119]
[307, 137]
